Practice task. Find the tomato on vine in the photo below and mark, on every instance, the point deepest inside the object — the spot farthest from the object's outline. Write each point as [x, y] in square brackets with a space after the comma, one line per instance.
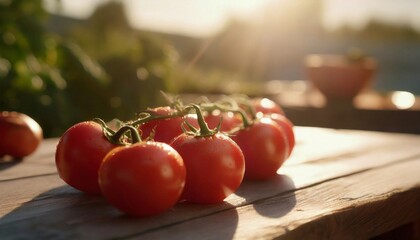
[163, 129]
[227, 120]
[142, 179]
[79, 154]
[264, 146]
[266, 106]
[214, 162]
[287, 127]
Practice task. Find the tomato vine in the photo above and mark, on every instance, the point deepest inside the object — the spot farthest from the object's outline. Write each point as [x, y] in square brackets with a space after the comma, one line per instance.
[230, 139]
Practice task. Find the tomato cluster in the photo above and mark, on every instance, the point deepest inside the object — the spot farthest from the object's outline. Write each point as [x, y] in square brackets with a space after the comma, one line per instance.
[197, 153]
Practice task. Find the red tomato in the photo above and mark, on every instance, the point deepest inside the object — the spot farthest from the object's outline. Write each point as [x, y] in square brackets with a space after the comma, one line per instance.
[229, 120]
[79, 155]
[215, 167]
[165, 130]
[287, 127]
[266, 106]
[265, 148]
[20, 134]
[143, 179]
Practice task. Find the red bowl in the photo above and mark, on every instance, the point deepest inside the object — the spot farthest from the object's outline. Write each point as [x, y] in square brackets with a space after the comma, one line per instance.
[337, 77]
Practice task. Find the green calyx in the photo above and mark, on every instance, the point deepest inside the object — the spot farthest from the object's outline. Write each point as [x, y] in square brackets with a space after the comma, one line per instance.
[204, 130]
[125, 135]
[233, 104]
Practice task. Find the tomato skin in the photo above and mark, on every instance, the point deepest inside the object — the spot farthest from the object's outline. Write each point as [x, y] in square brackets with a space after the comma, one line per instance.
[20, 134]
[229, 120]
[143, 179]
[287, 127]
[79, 154]
[266, 106]
[215, 167]
[265, 148]
[165, 130]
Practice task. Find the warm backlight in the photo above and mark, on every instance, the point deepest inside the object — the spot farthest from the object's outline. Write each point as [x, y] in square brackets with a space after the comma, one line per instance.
[403, 99]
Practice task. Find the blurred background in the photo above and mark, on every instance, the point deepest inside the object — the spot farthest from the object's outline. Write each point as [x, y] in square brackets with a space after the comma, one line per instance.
[66, 61]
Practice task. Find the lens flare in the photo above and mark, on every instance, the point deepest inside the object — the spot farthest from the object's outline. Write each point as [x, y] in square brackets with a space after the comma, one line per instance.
[403, 99]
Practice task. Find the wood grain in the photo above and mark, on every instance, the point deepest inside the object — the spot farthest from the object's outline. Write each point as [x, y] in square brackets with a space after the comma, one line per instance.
[359, 206]
[41, 162]
[330, 174]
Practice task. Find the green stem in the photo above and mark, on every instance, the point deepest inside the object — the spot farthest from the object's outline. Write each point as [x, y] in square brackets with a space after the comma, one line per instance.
[245, 120]
[135, 137]
[204, 128]
[105, 127]
[150, 116]
[248, 106]
[215, 106]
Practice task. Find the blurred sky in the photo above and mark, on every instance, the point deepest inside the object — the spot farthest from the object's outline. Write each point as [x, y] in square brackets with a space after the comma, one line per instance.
[206, 17]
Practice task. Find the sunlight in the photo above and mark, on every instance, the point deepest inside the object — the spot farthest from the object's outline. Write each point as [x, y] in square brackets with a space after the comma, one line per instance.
[204, 17]
[403, 99]
[267, 103]
[342, 12]
[194, 18]
[73, 8]
[314, 61]
[358, 13]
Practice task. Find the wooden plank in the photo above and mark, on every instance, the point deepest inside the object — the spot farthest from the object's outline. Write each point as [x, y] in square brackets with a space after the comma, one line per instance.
[397, 120]
[359, 206]
[43, 204]
[48, 205]
[312, 144]
[35, 190]
[303, 175]
[41, 162]
[319, 143]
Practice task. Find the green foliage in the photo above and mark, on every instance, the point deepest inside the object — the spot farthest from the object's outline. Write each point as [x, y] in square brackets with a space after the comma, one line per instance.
[379, 31]
[139, 65]
[215, 81]
[30, 79]
[58, 84]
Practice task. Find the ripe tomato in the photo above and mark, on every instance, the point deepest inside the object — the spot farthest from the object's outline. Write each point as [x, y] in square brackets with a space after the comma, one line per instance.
[215, 167]
[20, 134]
[79, 155]
[287, 127]
[229, 120]
[142, 179]
[165, 130]
[264, 146]
[266, 106]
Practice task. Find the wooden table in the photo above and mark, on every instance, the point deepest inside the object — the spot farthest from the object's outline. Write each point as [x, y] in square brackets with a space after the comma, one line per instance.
[384, 120]
[338, 184]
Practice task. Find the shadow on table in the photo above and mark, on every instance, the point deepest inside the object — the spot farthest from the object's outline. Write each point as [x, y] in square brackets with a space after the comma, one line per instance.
[65, 213]
[6, 162]
[199, 221]
[271, 198]
[39, 217]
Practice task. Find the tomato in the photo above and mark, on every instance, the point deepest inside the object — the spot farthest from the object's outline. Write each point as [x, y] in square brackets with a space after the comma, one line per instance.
[215, 167]
[142, 179]
[20, 134]
[287, 127]
[266, 106]
[229, 120]
[264, 146]
[79, 155]
[165, 130]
